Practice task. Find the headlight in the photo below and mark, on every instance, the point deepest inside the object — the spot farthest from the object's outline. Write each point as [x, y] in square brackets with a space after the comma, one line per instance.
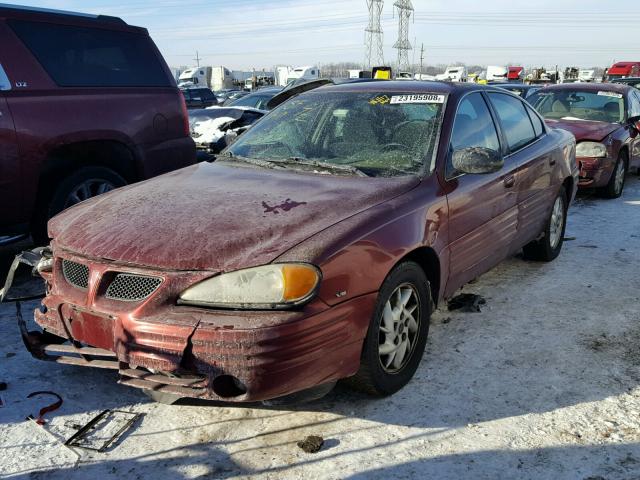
[591, 149]
[269, 286]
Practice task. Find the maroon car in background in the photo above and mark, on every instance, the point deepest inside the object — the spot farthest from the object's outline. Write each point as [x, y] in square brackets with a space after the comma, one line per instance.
[312, 250]
[87, 104]
[605, 119]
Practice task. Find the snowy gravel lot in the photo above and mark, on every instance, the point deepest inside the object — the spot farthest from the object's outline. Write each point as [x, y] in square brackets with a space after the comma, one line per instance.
[544, 383]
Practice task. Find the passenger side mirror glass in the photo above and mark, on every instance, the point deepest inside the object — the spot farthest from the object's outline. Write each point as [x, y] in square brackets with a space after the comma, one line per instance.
[635, 122]
[477, 160]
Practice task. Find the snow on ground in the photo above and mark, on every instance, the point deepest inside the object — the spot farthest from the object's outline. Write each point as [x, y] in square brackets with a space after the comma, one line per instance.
[544, 383]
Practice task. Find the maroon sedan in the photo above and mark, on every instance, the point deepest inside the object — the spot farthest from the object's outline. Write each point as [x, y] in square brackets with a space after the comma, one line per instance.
[315, 247]
[605, 119]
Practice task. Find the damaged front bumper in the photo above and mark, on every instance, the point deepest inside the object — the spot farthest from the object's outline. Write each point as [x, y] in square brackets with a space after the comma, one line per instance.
[154, 344]
[595, 172]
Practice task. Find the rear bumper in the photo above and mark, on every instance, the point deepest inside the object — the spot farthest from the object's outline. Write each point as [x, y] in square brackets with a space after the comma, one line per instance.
[168, 353]
[595, 172]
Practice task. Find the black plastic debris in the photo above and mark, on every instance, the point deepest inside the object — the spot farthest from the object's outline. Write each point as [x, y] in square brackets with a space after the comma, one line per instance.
[103, 430]
[311, 444]
[467, 302]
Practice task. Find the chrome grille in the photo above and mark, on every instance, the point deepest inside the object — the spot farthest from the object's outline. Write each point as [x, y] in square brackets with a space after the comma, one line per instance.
[132, 288]
[76, 274]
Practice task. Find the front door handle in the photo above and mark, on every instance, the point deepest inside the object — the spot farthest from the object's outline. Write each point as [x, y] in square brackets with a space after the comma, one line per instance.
[509, 181]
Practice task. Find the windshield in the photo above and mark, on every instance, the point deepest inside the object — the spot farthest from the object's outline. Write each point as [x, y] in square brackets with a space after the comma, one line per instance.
[598, 106]
[255, 101]
[378, 134]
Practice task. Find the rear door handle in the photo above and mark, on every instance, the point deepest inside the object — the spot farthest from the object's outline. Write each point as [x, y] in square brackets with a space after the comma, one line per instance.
[509, 181]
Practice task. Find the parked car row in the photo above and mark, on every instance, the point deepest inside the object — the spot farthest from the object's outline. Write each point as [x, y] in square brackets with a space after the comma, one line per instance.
[314, 247]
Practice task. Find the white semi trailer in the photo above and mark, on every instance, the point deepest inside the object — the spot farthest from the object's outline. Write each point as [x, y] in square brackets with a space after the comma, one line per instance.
[216, 78]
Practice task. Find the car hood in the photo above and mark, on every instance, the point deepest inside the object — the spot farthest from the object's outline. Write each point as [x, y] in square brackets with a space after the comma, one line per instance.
[216, 217]
[585, 130]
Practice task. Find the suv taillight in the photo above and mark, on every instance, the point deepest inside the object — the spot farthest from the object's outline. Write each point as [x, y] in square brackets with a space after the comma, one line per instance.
[185, 114]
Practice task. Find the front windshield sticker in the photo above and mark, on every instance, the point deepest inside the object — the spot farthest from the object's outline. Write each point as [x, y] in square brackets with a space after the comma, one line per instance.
[421, 98]
[380, 100]
[608, 94]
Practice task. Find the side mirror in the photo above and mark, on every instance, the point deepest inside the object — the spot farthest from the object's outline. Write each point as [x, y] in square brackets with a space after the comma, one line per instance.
[634, 122]
[477, 160]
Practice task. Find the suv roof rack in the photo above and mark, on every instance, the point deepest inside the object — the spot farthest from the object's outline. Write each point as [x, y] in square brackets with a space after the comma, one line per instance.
[23, 8]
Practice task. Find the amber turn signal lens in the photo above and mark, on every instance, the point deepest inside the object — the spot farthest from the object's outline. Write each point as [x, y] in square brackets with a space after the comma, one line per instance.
[299, 281]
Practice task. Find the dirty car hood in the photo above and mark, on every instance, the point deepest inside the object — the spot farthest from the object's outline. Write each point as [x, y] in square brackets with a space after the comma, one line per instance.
[216, 216]
[585, 130]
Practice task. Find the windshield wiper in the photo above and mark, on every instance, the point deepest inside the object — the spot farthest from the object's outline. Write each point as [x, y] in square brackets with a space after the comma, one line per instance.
[323, 165]
[250, 161]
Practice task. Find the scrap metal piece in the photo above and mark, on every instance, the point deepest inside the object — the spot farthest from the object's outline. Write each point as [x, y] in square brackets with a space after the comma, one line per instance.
[39, 259]
[49, 408]
[96, 434]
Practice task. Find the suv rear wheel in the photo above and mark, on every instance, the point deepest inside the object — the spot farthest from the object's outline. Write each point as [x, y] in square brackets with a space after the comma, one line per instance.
[85, 183]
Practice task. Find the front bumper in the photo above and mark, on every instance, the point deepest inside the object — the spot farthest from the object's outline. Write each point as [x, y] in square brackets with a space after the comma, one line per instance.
[236, 356]
[595, 172]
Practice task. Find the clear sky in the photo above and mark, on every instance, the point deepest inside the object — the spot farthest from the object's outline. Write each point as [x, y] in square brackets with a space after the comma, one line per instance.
[244, 34]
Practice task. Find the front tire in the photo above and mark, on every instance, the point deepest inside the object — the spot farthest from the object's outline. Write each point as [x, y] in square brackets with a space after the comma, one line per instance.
[397, 336]
[547, 248]
[616, 183]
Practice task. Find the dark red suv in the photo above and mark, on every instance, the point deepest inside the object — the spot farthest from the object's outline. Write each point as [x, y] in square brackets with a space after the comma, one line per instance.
[87, 104]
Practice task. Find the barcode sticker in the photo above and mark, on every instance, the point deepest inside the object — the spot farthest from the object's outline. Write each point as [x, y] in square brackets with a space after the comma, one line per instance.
[418, 98]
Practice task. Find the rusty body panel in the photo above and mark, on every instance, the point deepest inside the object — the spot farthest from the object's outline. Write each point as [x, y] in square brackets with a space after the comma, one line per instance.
[196, 223]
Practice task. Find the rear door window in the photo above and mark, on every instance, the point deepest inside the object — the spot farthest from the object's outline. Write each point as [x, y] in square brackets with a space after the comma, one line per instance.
[92, 57]
[514, 120]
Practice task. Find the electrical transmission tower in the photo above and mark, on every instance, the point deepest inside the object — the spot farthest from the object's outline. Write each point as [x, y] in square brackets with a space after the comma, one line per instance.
[373, 35]
[403, 45]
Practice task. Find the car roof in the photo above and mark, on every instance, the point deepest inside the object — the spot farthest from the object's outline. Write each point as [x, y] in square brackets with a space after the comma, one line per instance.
[594, 87]
[416, 86]
[626, 80]
[523, 86]
[266, 90]
[22, 12]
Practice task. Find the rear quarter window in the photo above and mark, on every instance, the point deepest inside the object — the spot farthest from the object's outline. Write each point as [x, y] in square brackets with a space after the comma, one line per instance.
[92, 57]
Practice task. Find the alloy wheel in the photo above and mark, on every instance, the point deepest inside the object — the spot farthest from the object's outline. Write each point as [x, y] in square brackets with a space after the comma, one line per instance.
[86, 190]
[399, 328]
[619, 180]
[557, 223]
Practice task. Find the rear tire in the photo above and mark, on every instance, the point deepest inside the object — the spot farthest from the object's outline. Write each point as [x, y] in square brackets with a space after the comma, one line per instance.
[616, 183]
[547, 248]
[400, 326]
[85, 183]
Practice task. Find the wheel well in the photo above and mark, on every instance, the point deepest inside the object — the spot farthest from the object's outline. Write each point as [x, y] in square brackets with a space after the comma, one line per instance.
[428, 260]
[105, 153]
[568, 187]
[625, 149]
